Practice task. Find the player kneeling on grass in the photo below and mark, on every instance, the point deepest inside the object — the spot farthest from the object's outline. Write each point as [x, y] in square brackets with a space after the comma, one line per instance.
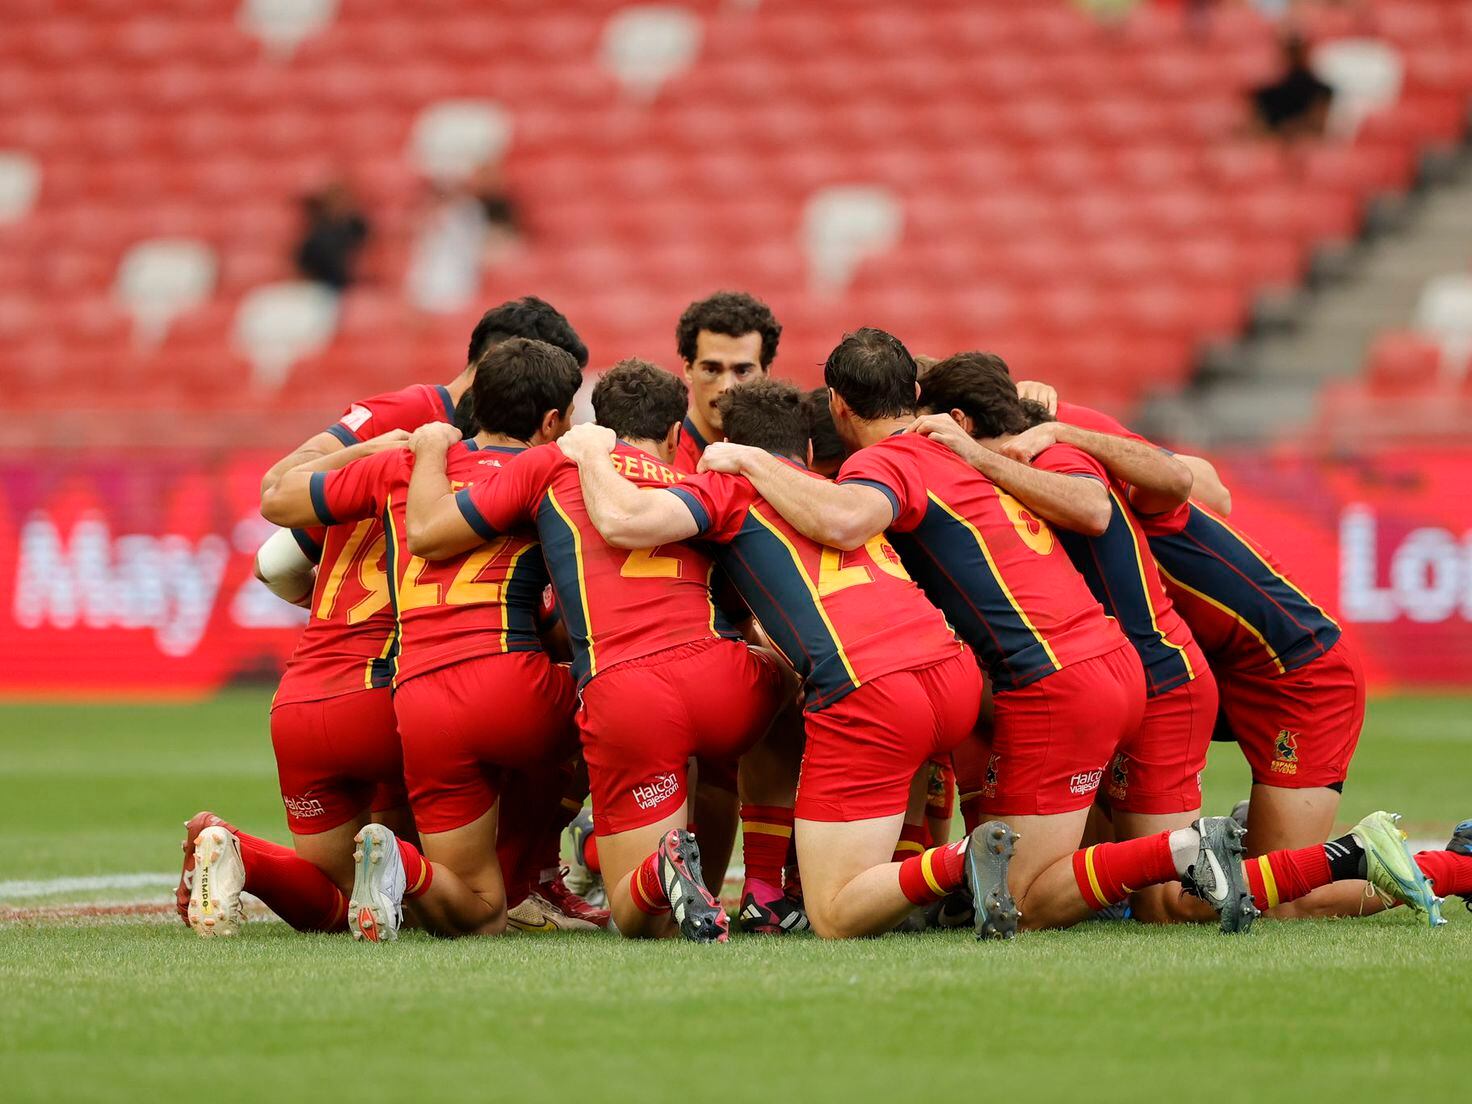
[1068, 684]
[661, 678]
[887, 683]
[485, 717]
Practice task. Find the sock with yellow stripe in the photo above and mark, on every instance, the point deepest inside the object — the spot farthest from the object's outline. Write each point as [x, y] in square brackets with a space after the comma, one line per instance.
[932, 874]
[1282, 876]
[1107, 873]
[418, 874]
[648, 895]
[912, 841]
[766, 831]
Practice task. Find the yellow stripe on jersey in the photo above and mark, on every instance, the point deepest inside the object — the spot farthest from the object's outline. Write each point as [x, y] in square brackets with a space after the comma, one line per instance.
[710, 574]
[394, 584]
[577, 552]
[506, 591]
[340, 568]
[1145, 587]
[812, 593]
[1287, 582]
[1233, 614]
[997, 576]
[1269, 883]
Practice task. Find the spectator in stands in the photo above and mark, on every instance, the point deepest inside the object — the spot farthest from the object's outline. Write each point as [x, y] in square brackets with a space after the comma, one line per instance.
[335, 232]
[1296, 105]
[465, 228]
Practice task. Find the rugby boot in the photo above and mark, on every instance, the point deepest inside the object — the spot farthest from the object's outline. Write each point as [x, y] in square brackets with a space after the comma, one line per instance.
[582, 881]
[1461, 843]
[1391, 868]
[219, 876]
[766, 910]
[700, 917]
[1216, 876]
[192, 828]
[376, 907]
[556, 893]
[988, 855]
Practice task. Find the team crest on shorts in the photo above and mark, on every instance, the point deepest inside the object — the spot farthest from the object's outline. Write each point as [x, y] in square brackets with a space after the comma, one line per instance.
[1285, 752]
[989, 787]
[1119, 777]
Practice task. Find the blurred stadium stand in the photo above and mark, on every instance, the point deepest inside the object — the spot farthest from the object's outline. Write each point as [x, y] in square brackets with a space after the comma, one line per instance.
[1084, 198]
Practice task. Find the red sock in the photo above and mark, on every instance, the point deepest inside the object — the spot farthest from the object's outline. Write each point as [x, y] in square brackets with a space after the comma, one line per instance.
[590, 853]
[649, 896]
[418, 874]
[1107, 873]
[932, 874]
[294, 889]
[766, 831]
[1282, 876]
[913, 838]
[1449, 872]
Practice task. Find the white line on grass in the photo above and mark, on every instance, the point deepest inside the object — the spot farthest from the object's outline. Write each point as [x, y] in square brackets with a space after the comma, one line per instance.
[50, 887]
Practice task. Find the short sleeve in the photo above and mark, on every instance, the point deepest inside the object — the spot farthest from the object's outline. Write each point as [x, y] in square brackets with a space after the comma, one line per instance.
[1068, 460]
[408, 408]
[717, 501]
[510, 500]
[356, 491]
[1094, 420]
[895, 471]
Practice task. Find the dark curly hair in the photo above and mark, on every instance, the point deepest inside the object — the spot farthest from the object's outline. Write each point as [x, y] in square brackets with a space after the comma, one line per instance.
[979, 385]
[526, 317]
[733, 313]
[874, 373]
[639, 401]
[768, 414]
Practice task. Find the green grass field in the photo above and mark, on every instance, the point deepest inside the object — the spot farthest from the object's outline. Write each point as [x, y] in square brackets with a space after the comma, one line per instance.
[136, 1010]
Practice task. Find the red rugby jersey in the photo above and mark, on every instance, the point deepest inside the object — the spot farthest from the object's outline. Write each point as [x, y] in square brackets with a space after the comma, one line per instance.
[689, 449]
[1121, 573]
[483, 602]
[841, 618]
[346, 643]
[617, 605]
[995, 570]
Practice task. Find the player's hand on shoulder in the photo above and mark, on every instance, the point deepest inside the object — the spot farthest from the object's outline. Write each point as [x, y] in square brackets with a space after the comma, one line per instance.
[1030, 442]
[723, 456]
[434, 436]
[1039, 393]
[587, 441]
[394, 438]
[946, 430]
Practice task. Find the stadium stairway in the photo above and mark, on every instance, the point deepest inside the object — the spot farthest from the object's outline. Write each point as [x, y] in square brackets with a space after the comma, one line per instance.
[1270, 384]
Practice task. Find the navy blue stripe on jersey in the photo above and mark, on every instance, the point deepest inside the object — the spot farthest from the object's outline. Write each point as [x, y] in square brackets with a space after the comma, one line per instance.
[943, 556]
[449, 403]
[522, 598]
[560, 551]
[1111, 566]
[697, 511]
[773, 583]
[688, 427]
[1208, 557]
[310, 548]
[386, 668]
[343, 434]
[473, 517]
[317, 486]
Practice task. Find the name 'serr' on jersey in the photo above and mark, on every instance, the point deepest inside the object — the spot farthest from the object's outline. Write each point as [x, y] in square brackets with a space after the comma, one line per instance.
[841, 618]
[484, 602]
[1244, 611]
[997, 572]
[348, 639]
[617, 605]
[1121, 574]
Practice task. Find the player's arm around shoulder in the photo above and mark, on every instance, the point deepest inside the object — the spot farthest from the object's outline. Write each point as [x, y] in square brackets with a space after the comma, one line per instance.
[626, 516]
[296, 499]
[434, 524]
[840, 515]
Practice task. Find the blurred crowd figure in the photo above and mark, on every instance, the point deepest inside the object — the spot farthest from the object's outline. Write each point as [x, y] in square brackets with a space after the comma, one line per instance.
[464, 229]
[1296, 104]
[335, 233]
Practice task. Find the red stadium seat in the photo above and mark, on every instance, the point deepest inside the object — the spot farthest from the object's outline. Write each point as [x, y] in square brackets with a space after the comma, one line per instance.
[1403, 363]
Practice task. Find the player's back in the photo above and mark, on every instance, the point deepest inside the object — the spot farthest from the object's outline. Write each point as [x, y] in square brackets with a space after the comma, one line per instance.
[482, 602]
[347, 641]
[997, 571]
[620, 605]
[841, 618]
[1244, 610]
